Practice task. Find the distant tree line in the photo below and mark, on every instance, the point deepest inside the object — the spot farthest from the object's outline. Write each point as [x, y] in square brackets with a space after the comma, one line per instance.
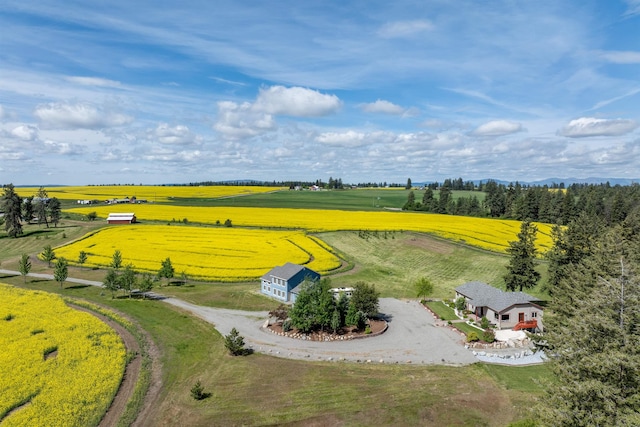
[555, 205]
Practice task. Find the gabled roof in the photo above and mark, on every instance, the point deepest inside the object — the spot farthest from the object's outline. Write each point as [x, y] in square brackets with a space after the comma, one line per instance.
[482, 295]
[285, 272]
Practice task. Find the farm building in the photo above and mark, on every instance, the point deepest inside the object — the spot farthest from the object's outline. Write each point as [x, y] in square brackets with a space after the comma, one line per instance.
[121, 218]
[505, 310]
[281, 282]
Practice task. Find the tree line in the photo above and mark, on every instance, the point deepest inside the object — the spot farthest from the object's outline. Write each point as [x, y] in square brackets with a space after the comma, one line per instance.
[42, 208]
[554, 205]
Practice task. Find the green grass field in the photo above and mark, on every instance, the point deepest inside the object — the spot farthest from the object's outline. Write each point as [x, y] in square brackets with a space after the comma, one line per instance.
[264, 390]
[358, 199]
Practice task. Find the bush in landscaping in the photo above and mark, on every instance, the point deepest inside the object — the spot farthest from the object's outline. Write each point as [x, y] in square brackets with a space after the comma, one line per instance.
[488, 335]
[484, 322]
[472, 337]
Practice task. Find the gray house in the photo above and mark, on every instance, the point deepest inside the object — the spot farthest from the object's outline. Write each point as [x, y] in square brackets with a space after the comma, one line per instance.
[505, 310]
[281, 282]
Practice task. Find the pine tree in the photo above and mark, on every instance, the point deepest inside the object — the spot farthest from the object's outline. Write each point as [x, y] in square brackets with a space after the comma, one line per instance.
[521, 272]
[593, 338]
[11, 205]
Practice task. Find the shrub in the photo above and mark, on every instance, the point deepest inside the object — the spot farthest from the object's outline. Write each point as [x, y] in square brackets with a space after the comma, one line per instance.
[472, 337]
[367, 330]
[460, 303]
[488, 335]
[234, 342]
[484, 322]
[197, 391]
[286, 325]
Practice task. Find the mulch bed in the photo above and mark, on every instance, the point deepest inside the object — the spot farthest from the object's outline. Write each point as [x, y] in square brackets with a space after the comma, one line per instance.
[347, 333]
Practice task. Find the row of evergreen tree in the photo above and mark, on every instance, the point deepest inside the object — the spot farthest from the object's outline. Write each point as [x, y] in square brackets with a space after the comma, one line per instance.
[610, 204]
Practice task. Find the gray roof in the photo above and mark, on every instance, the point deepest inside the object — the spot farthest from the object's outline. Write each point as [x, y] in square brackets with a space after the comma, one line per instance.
[482, 295]
[285, 272]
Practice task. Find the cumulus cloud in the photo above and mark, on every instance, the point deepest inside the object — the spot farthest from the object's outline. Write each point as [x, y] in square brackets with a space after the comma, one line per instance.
[79, 115]
[343, 139]
[295, 101]
[176, 135]
[382, 106]
[25, 132]
[60, 147]
[590, 126]
[239, 121]
[497, 128]
[404, 28]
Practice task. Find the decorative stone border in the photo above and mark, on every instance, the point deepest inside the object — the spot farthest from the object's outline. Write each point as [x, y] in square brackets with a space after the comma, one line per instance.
[325, 337]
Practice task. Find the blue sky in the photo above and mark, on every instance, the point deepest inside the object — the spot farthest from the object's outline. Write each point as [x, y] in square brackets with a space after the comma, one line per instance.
[367, 91]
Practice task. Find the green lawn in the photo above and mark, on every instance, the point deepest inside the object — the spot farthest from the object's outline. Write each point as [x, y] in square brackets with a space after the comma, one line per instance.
[442, 310]
[264, 390]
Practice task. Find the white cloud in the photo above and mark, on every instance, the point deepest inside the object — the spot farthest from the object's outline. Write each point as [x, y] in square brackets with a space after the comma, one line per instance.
[621, 56]
[404, 28]
[177, 135]
[25, 132]
[497, 128]
[240, 121]
[296, 101]
[2, 113]
[382, 106]
[79, 115]
[589, 126]
[344, 139]
[59, 147]
[93, 81]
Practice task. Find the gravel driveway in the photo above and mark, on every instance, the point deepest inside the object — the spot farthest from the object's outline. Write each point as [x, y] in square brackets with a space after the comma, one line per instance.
[412, 337]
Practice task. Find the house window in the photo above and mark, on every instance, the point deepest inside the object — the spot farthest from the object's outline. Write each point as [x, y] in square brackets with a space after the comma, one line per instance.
[495, 316]
[505, 317]
[534, 314]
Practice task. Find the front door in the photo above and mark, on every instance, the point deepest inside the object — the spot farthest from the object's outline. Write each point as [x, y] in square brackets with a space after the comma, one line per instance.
[520, 317]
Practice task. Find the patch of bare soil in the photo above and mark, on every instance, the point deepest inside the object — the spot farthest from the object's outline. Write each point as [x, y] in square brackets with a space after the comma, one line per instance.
[376, 327]
[429, 243]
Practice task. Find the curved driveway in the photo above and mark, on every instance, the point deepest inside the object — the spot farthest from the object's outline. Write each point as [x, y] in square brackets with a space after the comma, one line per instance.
[412, 336]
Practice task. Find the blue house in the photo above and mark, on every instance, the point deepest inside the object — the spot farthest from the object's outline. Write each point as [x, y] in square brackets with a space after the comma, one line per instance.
[281, 282]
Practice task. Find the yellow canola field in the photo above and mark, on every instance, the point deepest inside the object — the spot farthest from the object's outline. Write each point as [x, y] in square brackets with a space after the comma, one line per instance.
[210, 253]
[150, 193]
[486, 233]
[75, 384]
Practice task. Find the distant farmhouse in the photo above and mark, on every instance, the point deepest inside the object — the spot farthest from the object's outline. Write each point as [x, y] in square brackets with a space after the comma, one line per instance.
[281, 282]
[505, 310]
[121, 218]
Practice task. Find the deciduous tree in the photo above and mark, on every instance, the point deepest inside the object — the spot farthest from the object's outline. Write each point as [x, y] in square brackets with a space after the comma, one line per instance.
[61, 271]
[111, 282]
[423, 287]
[116, 260]
[24, 266]
[48, 255]
[166, 270]
[365, 298]
[82, 257]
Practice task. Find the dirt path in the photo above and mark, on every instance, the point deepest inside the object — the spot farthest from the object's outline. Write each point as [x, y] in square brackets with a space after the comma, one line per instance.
[131, 373]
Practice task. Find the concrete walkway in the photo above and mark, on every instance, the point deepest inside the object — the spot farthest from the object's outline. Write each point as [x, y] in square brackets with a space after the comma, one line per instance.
[412, 336]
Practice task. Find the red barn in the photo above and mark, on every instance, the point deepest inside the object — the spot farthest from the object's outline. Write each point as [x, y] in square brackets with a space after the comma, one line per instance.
[121, 218]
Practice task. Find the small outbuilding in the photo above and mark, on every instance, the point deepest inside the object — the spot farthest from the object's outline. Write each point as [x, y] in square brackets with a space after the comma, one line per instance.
[121, 218]
[281, 282]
